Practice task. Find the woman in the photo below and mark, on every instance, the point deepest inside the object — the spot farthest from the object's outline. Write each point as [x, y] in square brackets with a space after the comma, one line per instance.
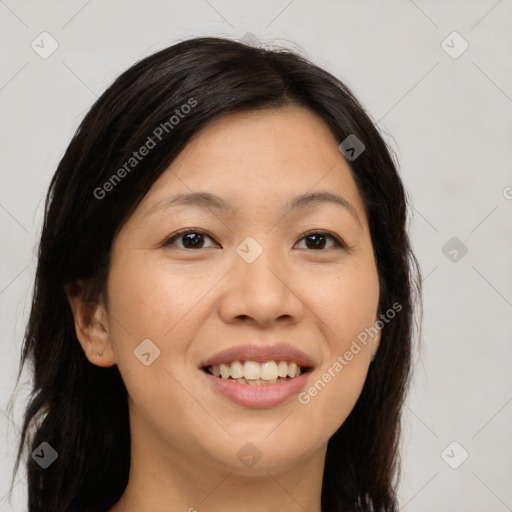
[223, 306]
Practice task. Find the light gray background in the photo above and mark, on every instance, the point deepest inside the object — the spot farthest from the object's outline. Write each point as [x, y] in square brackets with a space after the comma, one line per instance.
[448, 119]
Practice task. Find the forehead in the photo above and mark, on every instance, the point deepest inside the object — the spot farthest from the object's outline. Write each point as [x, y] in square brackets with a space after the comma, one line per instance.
[258, 158]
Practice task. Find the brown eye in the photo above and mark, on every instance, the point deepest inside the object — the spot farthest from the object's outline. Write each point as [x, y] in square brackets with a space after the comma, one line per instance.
[317, 241]
[195, 239]
[190, 238]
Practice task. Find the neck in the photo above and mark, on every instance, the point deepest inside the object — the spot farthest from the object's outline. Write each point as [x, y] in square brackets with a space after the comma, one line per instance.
[167, 480]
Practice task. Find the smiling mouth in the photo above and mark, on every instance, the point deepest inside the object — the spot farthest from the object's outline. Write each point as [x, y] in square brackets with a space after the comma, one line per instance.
[256, 373]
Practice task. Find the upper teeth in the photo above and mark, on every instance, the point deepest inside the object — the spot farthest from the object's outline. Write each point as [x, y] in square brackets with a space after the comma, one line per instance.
[269, 370]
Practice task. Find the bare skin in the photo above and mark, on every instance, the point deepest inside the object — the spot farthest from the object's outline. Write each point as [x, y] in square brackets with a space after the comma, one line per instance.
[193, 302]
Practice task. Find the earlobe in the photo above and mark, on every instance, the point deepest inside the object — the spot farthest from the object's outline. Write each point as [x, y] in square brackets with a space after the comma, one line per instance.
[374, 346]
[91, 325]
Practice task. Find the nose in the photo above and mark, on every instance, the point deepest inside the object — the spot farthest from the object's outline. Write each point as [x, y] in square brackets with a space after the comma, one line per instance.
[261, 292]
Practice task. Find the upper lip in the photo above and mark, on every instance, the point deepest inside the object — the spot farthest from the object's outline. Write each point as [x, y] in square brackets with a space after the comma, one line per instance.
[260, 353]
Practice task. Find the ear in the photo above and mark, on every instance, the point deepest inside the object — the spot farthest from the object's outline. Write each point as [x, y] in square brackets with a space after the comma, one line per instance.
[374, 345]
[91, 326]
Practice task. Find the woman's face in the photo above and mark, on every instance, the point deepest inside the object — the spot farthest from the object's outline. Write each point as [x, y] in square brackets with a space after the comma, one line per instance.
[257, 278]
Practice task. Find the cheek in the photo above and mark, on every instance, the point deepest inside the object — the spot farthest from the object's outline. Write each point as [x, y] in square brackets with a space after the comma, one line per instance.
[331, 396]
[150, 299]
[148, 303]
[347, 303]
[142, 307]
[347, 309]
[135, 302]
[159, 302]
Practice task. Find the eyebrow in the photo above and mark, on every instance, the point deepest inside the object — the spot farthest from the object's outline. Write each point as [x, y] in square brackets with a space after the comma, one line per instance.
[209, 201]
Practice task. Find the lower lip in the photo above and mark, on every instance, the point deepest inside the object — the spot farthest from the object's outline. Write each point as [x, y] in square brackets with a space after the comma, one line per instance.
[264, 395]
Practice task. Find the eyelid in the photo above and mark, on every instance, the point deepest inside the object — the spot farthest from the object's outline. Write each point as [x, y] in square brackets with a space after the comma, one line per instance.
[184, 231]
[338, 241]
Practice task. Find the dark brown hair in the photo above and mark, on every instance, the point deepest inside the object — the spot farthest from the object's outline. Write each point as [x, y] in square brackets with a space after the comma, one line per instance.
[81, 409]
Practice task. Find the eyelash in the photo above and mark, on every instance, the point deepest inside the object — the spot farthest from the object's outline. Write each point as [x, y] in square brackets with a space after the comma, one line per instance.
[339, 244]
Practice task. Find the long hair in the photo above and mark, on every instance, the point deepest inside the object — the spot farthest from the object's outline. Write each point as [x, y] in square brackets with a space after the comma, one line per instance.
[80, 409]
